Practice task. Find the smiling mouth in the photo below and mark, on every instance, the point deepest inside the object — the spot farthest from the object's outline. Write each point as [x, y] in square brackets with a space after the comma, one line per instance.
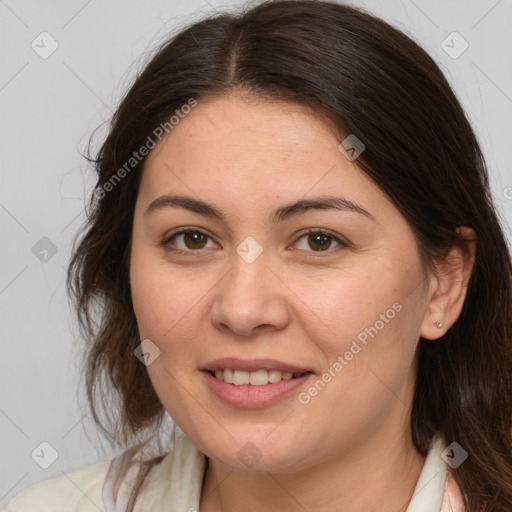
[256, 378]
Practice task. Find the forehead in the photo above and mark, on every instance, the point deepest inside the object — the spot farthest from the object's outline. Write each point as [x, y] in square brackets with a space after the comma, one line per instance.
[230, 146]
[234, 127]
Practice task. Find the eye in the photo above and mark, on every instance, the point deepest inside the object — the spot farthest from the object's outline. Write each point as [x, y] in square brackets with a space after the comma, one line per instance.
[319, 240]
[188, 240]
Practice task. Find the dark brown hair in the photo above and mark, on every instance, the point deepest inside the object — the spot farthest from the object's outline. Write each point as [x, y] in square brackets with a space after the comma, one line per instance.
[368, 79]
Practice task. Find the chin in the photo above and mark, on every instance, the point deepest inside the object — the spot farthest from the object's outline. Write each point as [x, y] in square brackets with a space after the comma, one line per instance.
[257, 456]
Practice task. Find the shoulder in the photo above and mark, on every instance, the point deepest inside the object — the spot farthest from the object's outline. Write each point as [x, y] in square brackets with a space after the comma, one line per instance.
[79, 490]
[107, 485]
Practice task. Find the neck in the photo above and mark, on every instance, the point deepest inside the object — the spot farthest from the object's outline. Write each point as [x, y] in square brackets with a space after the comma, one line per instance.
[377, 476]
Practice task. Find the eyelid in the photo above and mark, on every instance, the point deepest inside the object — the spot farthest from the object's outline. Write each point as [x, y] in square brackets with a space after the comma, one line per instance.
[343, 243]
[186, 229]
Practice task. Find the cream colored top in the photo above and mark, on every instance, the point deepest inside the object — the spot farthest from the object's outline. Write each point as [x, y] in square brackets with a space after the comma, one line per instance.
[175, 484]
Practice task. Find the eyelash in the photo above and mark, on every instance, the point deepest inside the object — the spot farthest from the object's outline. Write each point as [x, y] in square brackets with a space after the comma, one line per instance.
[310, 231]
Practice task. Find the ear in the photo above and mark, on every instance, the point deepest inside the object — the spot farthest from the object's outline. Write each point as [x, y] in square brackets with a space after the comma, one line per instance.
[448, 286]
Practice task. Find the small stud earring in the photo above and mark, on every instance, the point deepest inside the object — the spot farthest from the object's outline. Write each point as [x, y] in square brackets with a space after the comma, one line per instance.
[439, 325]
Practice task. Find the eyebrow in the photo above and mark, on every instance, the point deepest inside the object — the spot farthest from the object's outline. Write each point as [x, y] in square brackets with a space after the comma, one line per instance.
[278, 215]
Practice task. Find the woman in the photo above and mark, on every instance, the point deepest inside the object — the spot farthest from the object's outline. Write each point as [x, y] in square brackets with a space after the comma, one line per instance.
[294, 253]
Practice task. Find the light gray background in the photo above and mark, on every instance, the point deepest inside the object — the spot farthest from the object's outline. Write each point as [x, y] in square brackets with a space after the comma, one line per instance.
[49, 108]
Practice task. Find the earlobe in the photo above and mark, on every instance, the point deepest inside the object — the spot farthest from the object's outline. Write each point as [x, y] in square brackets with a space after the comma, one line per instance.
[449, 286]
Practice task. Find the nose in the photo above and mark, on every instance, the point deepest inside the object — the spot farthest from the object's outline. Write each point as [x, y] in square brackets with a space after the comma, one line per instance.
[250, 299]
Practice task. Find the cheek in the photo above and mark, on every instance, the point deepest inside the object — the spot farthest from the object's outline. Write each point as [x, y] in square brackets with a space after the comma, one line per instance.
[367, 326]
[166, 305]
[171, 307]
[353, 306]
[163, 298]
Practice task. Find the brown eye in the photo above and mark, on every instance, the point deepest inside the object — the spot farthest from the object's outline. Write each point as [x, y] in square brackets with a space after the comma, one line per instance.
[318, 241]
[187, 241]
[194, 240]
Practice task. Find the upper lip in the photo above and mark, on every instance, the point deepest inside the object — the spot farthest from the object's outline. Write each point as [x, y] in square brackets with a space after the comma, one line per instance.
[252, 365]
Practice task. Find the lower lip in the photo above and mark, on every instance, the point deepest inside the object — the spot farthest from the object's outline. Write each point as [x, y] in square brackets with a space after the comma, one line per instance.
[251, 397]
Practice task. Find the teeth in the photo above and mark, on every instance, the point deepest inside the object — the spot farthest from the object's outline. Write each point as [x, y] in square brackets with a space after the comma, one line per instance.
[274, 375]
[240, 378]
[257, 378]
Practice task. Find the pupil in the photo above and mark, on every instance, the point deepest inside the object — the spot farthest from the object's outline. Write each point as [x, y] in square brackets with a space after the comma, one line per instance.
[191, 239]
[319, 240]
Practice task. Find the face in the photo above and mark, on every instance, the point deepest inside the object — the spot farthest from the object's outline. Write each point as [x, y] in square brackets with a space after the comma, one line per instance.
[232, 277]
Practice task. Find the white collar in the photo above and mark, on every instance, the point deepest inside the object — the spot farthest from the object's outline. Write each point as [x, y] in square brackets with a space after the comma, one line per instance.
[429, 490]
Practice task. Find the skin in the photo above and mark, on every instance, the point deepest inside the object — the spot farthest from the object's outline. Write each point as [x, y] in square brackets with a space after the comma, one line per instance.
[293, 303]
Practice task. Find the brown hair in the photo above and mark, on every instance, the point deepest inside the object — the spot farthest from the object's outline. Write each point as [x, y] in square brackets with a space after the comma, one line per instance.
[371, 80]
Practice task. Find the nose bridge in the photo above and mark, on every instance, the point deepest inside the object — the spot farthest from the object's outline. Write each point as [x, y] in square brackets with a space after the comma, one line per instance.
[248, 296]
[249, 267]
[246, 284]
